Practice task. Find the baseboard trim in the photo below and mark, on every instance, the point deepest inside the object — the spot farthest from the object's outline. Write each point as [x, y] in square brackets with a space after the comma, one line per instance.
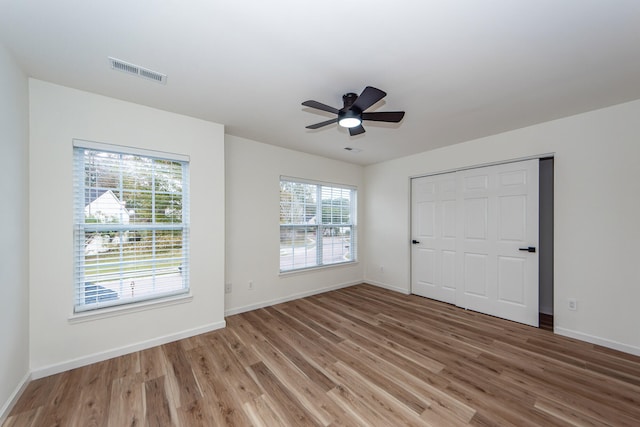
[597, 340]
[275, 301]
[143, 345]
[13, 399]
[389, 287]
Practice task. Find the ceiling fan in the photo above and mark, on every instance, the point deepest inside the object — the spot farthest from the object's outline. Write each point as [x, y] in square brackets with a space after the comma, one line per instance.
[353, 113]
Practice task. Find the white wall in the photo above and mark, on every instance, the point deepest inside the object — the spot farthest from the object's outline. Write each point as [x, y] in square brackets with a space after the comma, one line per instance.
[14, 214]
[60, 114]
[253, 173]
[597, 209]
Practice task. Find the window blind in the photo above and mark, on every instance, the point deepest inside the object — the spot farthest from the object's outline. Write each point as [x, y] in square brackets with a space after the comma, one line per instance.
[131, 225]
[317, 224]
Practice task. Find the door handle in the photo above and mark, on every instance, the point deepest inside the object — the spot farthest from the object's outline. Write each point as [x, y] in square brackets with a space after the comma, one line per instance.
[528, 249]
[415, 242]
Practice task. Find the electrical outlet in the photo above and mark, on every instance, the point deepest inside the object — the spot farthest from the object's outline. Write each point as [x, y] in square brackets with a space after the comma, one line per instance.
[573, 304]
[227, 288]
[250, 285]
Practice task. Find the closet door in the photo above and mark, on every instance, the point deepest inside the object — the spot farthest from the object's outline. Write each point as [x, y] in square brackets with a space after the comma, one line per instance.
[475, 238]
[497, 236]
[433, 260]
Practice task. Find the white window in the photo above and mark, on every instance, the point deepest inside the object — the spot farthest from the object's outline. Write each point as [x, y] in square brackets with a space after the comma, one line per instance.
[317, 224]
[131, 225]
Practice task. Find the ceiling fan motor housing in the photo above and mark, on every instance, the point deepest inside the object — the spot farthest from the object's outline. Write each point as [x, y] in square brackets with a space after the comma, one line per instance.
[349, 111]
[348, 99]
[353, 113]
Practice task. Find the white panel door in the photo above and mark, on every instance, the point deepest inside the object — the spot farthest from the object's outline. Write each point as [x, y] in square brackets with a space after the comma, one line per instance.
[433, 260]
[497, 224]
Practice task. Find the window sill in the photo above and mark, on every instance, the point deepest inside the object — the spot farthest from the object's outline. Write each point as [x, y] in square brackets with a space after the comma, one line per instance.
[104, 313]
[320, 267]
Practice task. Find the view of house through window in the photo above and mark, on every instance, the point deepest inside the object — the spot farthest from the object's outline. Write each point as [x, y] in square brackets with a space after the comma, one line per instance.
[131, 225]
[317, 224]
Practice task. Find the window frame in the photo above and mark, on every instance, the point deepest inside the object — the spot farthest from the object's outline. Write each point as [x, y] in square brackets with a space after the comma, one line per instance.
[320, 227]
[88, 296]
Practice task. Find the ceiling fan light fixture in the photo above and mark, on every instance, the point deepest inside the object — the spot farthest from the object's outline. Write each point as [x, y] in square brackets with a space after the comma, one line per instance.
[349, 119]
[349, 122]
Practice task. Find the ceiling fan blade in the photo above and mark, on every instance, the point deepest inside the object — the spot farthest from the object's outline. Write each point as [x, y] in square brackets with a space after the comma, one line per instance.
[320, 106]
[319, 125]
[384, 116]
[369, 96]
[356, 130]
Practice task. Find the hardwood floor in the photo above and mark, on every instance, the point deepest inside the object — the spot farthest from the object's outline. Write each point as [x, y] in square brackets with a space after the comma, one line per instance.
[356, 356]
[546, 321]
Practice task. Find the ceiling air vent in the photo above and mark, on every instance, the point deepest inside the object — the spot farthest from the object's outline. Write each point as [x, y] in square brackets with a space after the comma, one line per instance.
[129, 68]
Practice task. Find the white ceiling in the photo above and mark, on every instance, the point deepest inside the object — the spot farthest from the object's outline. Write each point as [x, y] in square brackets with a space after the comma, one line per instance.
[461, 69]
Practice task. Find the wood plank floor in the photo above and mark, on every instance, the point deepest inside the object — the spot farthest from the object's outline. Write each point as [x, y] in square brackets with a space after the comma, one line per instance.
[360, 356]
